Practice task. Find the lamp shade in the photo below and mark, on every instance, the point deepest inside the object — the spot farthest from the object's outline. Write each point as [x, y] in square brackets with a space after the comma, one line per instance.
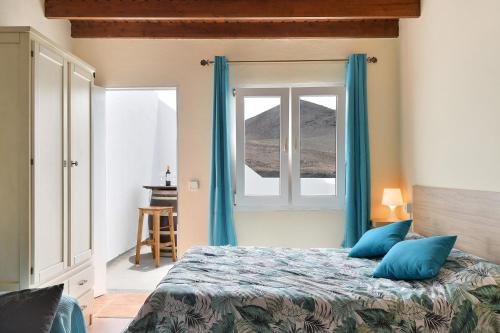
[392, 197]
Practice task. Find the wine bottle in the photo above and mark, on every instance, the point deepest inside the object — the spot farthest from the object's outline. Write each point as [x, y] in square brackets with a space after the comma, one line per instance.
[167, 176]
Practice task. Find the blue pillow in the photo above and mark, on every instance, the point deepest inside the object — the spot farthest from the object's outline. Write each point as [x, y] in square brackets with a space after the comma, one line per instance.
[378, 241]
[418, 259]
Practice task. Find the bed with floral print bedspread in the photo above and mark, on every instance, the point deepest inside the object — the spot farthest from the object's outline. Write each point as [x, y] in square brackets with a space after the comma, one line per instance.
[258, 289]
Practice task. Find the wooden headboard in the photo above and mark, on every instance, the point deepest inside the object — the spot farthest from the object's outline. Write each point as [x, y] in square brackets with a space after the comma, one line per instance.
[474, 216]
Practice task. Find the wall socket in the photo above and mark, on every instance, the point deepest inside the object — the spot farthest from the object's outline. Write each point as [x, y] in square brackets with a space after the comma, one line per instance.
[408, 208]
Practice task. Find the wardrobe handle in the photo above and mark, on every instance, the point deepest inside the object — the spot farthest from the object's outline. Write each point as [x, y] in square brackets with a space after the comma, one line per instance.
[74, 163]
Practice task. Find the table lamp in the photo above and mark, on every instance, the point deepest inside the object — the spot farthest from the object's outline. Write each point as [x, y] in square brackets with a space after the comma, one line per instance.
[392, 197]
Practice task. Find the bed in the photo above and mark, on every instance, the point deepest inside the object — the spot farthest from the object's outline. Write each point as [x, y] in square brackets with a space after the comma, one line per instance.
[258, 289]
[255, 289]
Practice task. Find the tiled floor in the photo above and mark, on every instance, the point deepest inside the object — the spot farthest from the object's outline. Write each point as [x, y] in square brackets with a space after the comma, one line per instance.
[113, 312]
[108, 325]
[119, 305]
[128, 287]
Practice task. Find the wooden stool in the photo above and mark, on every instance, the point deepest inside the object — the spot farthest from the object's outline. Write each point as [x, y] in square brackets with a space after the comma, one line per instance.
[155, 242]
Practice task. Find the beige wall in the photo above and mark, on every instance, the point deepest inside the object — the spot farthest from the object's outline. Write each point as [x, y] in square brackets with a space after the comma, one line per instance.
[450, 90]
[176, 63]
[448, 127]
[31, 13]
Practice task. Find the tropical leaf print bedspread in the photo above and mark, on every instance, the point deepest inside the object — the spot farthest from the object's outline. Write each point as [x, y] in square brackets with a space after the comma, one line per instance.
[257, 289]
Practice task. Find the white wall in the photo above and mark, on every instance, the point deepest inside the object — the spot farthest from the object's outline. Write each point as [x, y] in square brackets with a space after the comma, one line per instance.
[165, 141]
[140, 142]
[31, 13]
[134, 62]
[450, 87]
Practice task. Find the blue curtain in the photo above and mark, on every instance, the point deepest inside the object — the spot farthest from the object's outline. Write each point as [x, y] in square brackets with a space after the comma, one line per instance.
[357, 152]
[221, 226]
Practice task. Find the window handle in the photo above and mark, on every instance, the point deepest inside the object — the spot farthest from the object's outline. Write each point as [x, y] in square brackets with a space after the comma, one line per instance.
[285, 145]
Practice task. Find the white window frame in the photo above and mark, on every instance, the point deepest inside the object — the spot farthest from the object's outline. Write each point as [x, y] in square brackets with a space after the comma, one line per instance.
[241, 199]
[335, 201]
[289, 197]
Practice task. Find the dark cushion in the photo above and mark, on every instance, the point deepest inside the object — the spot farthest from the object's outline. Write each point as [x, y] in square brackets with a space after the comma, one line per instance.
[29, 310]
[377, 242]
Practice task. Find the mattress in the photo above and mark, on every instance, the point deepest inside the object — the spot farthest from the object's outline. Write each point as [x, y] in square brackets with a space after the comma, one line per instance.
[259, 289]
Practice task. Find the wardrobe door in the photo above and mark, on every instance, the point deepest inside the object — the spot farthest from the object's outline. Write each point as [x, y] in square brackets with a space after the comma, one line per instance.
[49, 222]
[80, 154]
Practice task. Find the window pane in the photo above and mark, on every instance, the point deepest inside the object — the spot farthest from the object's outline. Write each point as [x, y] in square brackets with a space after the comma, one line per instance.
[318, 145]
[262, 145]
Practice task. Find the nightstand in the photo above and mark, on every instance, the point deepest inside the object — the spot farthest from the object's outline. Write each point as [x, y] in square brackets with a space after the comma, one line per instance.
[384, 221]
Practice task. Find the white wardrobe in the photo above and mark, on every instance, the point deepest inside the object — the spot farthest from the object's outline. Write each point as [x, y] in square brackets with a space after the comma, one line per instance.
[45, 166]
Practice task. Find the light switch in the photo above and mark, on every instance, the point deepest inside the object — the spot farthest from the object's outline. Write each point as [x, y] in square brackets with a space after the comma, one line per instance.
[194, 185]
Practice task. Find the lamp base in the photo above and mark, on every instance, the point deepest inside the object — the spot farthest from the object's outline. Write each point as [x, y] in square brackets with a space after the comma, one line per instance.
[392, 215]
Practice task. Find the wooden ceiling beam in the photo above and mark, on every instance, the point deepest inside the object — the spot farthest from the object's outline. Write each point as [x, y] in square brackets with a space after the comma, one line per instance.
[207, 9]
[235, 29]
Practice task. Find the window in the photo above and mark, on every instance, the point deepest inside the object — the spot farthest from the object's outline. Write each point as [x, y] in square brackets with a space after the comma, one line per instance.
[271, 120]
[262, 146]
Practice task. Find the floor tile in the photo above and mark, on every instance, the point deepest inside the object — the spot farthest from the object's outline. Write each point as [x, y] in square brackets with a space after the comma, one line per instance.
[125, 305]
[108, 325]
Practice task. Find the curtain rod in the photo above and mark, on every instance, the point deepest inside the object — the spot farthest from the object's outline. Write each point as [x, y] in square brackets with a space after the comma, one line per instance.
[207, 62]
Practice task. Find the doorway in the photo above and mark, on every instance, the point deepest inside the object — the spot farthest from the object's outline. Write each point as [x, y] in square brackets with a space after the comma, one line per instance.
[135, 143]
[141, 145]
